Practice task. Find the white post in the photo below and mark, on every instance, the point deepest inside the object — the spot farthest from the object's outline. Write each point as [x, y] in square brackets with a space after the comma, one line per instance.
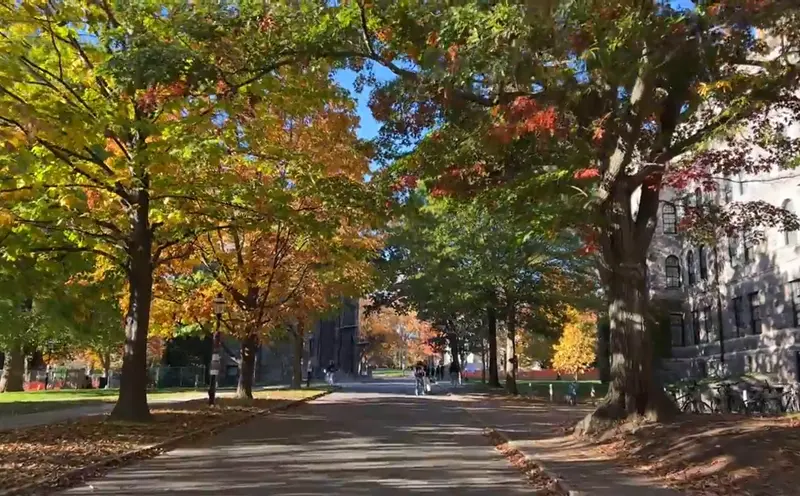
[551, 392]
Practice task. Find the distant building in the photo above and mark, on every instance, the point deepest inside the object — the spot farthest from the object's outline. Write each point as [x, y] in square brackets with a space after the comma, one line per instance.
[337, 339]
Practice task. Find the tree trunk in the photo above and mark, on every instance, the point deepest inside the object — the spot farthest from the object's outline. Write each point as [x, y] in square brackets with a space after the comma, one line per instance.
[603, 356]
[132, 402]
[13, 378]
[491, 317]
[244, 388]
[455, 352]
[635, 388]
[297, 358]
[483, 362]
[511, 348]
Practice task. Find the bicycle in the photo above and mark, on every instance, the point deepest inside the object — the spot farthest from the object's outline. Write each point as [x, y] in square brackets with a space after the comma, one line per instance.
[790, 399]
[727, 396]
[765, 401]
[692, 400]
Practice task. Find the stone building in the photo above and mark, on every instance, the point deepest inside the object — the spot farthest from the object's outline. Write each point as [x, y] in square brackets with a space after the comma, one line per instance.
[731, 307]
[336, 339]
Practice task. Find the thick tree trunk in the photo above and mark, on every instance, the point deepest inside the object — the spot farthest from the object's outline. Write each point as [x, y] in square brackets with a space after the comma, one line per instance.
[491, 317]
[511, 348]
[483, 362]
[635, 388]
[13, 378]
[297, 358]
[132, 402]
[244, 389]
[603, 356]
[455, 349]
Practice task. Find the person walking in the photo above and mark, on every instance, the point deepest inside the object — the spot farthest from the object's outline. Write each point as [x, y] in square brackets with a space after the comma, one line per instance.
[454, 370]
[419, 379]
[308, 374]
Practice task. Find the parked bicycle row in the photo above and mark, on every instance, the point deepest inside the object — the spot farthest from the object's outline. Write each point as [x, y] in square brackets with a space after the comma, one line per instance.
[736, 396]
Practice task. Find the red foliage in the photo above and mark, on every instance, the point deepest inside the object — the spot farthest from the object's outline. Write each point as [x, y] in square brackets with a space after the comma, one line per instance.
[590, 244]
[439, 192]
[588, 173]
[267, 24]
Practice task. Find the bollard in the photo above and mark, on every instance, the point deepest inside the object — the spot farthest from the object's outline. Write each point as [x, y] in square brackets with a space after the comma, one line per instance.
[551, 392]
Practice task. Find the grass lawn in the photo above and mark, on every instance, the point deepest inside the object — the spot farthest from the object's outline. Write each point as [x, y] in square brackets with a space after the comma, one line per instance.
[40, 401]
[541, 389]
[389, 373]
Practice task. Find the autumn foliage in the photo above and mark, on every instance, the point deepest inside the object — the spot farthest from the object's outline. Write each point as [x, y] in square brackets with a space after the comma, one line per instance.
[395, 339]
[575, 350]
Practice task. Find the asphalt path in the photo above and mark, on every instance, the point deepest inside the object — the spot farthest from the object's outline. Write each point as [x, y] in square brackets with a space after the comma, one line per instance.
[370, 438]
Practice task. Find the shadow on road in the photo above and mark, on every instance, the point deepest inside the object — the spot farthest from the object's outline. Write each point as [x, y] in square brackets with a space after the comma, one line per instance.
[363, 441]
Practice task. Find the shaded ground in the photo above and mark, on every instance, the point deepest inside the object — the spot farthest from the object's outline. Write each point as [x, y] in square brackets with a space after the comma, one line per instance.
[697, 454]
[31, 453]
[371, 440]
[716, 455]
[542, 431]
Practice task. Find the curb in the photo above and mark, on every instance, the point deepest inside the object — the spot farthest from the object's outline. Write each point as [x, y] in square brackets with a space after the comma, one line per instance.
[492, 434]
[559, 483]
[81, 474]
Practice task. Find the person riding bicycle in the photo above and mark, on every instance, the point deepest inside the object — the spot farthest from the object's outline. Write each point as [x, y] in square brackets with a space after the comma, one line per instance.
[330, 373]
[419, 378]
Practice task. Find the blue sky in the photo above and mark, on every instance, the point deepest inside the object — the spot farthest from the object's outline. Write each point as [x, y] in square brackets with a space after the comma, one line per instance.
[369, 127]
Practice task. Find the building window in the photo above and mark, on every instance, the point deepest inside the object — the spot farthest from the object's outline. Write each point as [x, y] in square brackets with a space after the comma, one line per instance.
[789, 237]
[733, 249]
[698, 197]
[690, 268]
[741, 183]
[676, 329]
[672, 270]
[701, 366]
[748, 363]
[738, 315]
[794, 287]
[727, 191]
[669, 218]
[702, 255]
[748, 250]
[708, 324]
[696, 326]
[755, 312]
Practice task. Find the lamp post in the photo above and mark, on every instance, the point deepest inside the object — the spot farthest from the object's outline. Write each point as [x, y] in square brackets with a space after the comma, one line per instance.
[219, 308]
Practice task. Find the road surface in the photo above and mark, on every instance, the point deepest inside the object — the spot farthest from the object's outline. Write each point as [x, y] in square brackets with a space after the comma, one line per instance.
[370, 438]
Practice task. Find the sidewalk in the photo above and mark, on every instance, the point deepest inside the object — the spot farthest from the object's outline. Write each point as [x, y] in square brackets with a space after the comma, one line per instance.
[538, 431]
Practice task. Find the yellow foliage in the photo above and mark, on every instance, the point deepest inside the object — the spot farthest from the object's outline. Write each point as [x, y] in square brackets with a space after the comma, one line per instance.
[575, 350]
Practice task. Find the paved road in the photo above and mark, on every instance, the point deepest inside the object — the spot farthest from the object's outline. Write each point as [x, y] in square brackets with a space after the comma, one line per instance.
[371, 438]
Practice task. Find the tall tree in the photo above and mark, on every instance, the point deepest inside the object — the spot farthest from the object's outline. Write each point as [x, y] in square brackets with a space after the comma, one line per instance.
[628, 96]
[111, 114]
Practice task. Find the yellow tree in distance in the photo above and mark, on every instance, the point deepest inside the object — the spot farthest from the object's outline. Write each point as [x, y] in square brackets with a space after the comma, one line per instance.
[575, 350]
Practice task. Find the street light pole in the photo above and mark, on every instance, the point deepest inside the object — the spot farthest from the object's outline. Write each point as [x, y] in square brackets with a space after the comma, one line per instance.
[219, 308]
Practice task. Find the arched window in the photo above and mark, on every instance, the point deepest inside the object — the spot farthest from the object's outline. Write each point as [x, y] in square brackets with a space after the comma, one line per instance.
[672, 271]
[703, 256]
[690, 267]
[789, 237]
[698, 197]
[669, 218]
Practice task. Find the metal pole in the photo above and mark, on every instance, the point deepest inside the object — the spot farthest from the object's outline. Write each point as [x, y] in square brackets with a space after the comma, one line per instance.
[215, 362]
